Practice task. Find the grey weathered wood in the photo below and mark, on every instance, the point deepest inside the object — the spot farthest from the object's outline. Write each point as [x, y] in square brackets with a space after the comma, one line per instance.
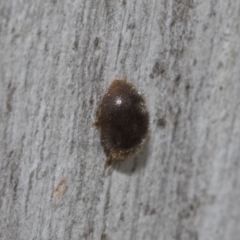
[56, 60]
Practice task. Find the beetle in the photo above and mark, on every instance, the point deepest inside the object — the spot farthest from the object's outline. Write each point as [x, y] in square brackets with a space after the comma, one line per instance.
[123, 121]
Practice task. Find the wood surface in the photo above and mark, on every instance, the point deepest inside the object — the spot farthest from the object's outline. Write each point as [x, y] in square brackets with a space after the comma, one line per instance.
[56, 60]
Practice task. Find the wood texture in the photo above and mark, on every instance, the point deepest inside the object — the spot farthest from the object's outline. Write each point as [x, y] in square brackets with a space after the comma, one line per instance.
[56, 60]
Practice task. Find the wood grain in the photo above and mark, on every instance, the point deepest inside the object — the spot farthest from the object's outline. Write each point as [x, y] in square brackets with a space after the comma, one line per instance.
[56, 60]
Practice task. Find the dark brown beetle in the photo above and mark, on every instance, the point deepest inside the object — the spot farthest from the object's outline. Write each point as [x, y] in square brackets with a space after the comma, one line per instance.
[123, 121]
